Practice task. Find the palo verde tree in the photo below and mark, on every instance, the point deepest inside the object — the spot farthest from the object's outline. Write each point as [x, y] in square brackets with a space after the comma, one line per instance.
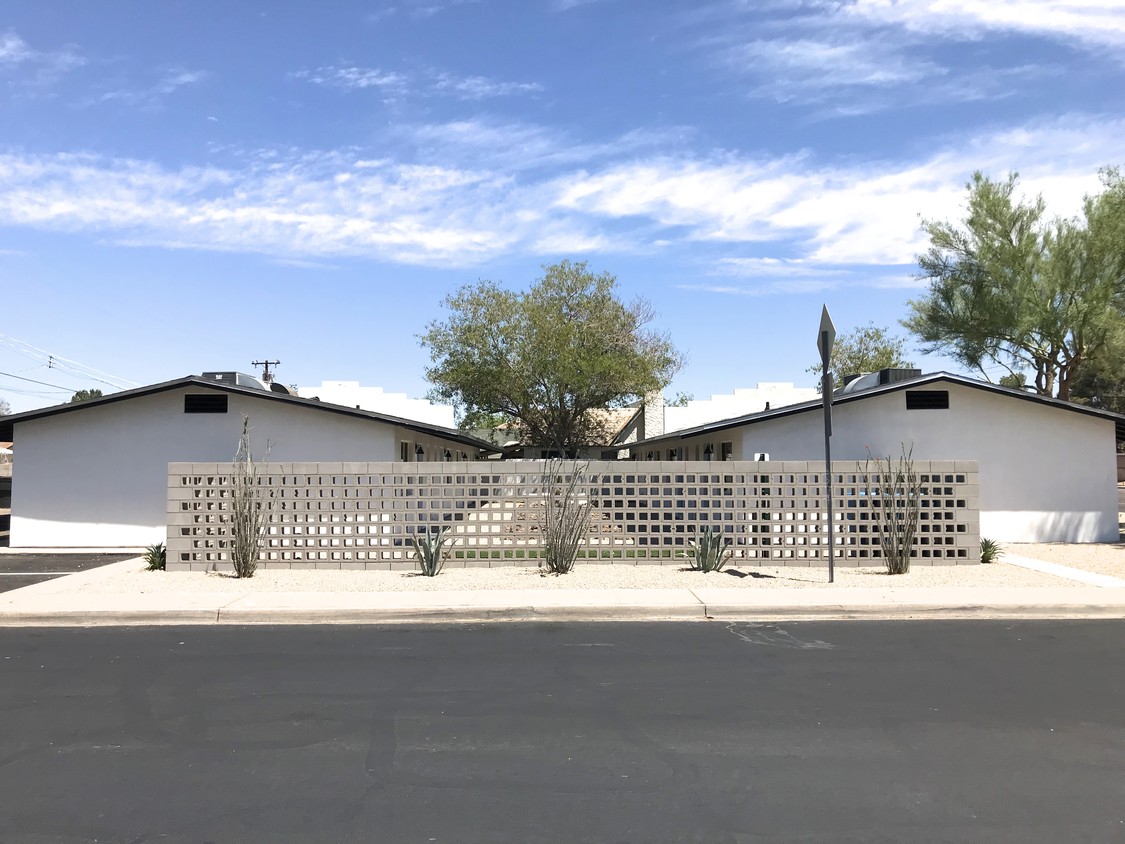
[868, 348]
[545, 358]
[1030, 295]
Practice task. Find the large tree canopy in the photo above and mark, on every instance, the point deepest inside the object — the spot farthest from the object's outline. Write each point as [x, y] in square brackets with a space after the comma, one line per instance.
[868, 348]
[1008, 288]
[544, 358]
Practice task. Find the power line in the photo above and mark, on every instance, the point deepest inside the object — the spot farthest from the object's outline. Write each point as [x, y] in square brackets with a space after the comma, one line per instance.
[33, 381]
[72, 367]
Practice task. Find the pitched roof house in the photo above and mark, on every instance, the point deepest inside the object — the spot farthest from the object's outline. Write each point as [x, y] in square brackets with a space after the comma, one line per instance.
[95, 473]
[1047, 467]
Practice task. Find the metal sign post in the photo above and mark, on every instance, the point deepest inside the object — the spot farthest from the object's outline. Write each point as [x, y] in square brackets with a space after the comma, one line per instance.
[824, 340]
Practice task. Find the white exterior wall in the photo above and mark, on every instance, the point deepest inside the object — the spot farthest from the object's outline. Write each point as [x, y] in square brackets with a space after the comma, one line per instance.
[351, 394]
[1046, 475]
[739, 403]
[98, 476]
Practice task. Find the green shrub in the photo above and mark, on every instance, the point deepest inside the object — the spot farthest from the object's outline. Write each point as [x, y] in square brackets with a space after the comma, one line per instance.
[428, 551]
[990, 551]
[156, 556]
[709, 552]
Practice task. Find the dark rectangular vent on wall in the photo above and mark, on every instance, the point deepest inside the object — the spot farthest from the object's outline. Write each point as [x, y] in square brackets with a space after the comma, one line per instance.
[927, 399]
[205, 403]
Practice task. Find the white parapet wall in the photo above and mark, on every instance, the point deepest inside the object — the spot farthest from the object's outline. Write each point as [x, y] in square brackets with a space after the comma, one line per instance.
[351, 394]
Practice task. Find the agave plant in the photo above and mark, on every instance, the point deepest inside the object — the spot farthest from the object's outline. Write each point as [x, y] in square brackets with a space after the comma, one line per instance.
[709, 552]
[990, 551]
[156, 556]
[429, 553]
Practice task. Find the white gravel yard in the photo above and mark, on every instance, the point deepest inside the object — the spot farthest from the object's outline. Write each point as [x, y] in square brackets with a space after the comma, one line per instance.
[135, 580]
[1098, 559]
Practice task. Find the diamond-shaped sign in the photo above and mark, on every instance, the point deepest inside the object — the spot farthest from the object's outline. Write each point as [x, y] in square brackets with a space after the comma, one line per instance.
[825, 337]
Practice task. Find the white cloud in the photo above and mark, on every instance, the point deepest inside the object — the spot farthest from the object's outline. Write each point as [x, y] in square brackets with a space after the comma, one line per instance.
[354, 78]
[1093, 22]
[481, 88]
[41, 67]
[432, 83]
[171, 81]
[835, 222]
[865, 212]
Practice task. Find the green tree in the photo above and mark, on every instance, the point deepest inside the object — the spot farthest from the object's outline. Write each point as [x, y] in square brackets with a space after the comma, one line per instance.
[544, 358]
[868, 348]
[85, 395]
[1010, 289]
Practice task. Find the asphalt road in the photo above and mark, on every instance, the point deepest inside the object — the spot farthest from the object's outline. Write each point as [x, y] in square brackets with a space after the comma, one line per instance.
[702, 732]
[18, 570]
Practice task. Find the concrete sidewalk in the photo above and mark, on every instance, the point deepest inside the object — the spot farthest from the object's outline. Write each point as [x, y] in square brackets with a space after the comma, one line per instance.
[45, 604]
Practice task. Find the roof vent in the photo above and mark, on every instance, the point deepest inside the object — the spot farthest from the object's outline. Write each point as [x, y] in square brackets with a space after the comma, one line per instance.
[858, 383]
[235, 379]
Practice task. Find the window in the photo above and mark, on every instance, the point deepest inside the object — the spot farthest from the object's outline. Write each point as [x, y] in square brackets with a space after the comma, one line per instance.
[726, 451]
[404, 451]
[205, 403]
[927, 400]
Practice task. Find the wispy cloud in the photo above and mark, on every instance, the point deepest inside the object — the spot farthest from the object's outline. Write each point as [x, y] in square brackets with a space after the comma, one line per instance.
[516, 146]
[481, 87]
[432, 83]
[1088, 22]
[149, 95]
[808, 223]
[771, 288]
[26, 67]
[861, 56]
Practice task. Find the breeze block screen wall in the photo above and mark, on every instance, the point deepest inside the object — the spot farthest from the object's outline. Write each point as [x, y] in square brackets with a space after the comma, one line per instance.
[362, 515]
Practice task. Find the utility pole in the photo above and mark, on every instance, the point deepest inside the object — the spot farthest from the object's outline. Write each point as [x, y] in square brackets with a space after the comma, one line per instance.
[267, 376]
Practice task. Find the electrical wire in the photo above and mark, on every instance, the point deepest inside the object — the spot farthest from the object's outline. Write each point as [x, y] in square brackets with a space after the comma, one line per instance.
[66, 365]
[33, 381]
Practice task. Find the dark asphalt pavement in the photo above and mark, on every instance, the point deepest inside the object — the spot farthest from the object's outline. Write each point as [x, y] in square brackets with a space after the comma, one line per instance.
[702, 732]
[18, 570]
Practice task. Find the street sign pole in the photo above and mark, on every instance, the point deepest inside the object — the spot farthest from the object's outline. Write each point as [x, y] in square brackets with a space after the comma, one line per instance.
[824, 341]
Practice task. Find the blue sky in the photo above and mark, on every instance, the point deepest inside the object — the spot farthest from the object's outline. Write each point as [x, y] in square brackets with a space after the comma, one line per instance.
[187, 186]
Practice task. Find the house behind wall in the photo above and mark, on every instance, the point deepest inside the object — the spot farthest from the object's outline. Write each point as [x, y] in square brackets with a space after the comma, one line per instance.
[1047, 468]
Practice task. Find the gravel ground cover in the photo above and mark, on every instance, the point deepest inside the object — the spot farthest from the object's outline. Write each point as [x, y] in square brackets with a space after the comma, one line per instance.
[1099, 559]
[582, 577]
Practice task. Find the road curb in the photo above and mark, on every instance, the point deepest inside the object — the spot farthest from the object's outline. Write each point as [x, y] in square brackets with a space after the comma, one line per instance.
[476, 615]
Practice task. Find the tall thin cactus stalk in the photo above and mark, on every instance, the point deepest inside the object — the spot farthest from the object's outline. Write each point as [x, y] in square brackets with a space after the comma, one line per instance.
[566, 518]
[894, 498]
[248, 508]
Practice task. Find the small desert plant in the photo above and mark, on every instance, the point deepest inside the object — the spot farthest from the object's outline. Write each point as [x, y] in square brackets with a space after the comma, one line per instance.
[566, 520]
[156, 557]
[709, 552]
[247, 507]
[990, 551]
[428, 551]
[894, 496]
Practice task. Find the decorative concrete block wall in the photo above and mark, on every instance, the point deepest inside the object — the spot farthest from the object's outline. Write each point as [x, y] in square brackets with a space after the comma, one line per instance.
[363, 515]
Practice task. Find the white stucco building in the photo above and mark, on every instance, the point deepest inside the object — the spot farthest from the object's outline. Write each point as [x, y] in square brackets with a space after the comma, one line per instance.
[1047, 467]
[351, 394]
[95, 473]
